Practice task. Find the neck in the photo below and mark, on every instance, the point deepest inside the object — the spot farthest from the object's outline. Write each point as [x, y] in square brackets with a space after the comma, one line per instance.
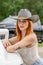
[23, 33]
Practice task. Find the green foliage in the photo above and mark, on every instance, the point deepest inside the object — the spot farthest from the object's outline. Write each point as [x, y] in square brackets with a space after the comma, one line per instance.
[11, 7]
[40, 44]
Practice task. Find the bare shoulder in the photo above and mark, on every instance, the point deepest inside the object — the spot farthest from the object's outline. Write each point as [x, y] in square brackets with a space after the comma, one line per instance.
[32, 37]
[29, 40]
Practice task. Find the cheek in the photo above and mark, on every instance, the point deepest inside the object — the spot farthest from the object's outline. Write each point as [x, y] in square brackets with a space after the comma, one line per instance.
[26, 26]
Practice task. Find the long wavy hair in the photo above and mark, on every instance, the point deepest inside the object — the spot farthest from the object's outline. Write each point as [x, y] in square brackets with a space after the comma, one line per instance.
[28, 30]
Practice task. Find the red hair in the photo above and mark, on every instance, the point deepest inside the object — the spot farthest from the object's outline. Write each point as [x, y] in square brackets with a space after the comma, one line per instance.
[28, 30]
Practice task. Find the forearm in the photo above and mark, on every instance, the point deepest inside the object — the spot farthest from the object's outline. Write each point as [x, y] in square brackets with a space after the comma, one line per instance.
[10, 40]
[13, 48]
[13, 40]
[21, 44]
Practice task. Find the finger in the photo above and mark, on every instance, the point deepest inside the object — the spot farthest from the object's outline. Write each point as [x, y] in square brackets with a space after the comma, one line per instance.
[5, 45]
[8, 44]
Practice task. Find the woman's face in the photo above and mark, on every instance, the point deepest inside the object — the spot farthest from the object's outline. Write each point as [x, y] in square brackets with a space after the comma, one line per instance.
[23, 24]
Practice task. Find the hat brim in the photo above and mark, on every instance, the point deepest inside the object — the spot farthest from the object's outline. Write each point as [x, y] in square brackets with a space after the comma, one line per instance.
[34, 18]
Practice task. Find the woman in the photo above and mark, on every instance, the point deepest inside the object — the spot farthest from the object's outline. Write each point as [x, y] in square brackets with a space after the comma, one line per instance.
[26, 41]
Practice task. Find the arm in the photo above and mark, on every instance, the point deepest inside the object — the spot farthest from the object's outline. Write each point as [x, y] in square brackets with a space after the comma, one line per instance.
[13, 40]
[9, 42]
[28, 40]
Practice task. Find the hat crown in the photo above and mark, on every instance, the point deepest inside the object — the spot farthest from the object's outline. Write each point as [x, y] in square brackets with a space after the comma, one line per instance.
[24, 13]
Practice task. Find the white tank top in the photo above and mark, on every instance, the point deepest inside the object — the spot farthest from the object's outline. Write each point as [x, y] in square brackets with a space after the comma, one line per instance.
[29, 55]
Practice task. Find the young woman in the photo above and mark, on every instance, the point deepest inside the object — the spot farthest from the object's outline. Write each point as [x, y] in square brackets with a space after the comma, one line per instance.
[26, 41]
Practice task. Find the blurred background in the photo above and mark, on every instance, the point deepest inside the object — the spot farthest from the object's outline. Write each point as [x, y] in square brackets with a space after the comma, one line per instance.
[10, 8]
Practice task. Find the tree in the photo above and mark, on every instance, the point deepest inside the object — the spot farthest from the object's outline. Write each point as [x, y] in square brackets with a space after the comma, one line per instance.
[11, 7]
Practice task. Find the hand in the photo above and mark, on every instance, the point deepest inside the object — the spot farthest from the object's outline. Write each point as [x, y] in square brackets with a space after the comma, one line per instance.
[6, 43]
[10, 48]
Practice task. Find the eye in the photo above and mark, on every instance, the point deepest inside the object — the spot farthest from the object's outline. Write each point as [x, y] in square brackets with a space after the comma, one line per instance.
[24, 21]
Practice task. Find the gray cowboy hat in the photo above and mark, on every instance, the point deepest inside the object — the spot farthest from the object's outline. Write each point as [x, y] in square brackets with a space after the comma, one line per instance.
[26, 14]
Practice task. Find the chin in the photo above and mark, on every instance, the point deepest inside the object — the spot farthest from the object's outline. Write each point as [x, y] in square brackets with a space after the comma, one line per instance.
[22, 29]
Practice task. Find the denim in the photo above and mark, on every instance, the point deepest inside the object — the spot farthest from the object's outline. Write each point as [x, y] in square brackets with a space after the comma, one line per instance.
[39, 61]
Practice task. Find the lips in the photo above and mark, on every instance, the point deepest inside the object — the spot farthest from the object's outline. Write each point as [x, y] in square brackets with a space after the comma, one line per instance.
[21, 26]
